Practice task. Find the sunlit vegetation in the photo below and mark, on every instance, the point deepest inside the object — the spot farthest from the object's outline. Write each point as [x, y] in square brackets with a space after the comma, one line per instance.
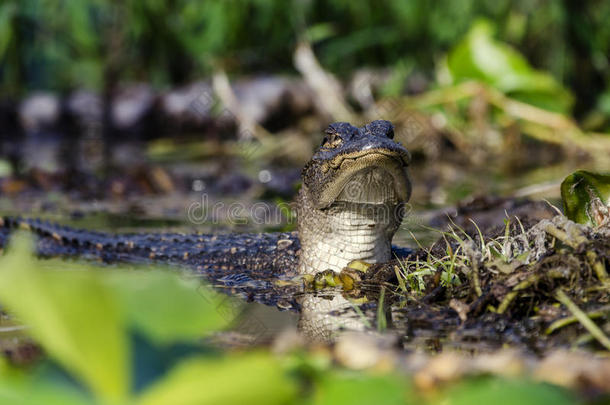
[586, 198]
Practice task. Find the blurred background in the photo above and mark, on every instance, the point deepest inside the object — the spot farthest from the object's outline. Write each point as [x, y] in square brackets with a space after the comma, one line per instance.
[123, 114]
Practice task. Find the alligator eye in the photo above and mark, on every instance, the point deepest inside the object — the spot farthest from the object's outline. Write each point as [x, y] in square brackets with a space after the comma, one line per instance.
[332, 140]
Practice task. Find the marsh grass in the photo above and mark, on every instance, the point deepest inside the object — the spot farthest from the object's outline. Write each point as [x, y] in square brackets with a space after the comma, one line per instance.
[544, 278]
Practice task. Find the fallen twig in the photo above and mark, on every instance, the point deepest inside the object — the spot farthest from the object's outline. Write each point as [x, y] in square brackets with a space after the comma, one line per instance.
[508, 299]
[326, 88]
[248, 128]
[582, 317]
[560, 323]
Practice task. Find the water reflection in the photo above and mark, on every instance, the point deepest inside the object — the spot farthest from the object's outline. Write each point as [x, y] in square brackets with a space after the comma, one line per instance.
[323, 316]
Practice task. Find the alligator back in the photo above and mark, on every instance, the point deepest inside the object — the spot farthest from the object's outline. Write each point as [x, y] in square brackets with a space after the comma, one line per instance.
[247, 264]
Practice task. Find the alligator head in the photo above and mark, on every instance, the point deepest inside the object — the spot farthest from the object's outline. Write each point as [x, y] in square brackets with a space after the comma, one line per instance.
[352, 198]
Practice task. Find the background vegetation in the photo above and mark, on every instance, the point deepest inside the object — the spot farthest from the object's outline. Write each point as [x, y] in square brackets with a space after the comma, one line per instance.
[61, 44]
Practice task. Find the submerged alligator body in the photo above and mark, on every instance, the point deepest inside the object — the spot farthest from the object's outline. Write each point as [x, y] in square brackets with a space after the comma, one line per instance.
[226, 260]
[349, 207]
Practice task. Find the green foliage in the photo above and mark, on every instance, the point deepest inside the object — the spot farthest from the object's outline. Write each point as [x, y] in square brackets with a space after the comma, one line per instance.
[60, 44]
[73, 316]
[480, 57]
[505, 392]
[7, 12]
[357, 389]
[254, 378]
[161, 317]
[586, 197]
[83, 317]
[21, 390]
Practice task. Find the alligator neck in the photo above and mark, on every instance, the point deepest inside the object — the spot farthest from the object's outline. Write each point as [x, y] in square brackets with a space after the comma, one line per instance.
[332, 237]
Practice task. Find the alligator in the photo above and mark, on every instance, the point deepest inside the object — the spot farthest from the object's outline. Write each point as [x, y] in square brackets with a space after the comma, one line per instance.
[349, 206]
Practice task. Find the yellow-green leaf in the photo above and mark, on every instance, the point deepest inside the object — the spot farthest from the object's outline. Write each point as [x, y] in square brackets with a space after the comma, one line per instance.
[28, 391]
[349, 388]
[246, 379]
[167, 308]
[71, 315]
[481, 57]
[499, 391]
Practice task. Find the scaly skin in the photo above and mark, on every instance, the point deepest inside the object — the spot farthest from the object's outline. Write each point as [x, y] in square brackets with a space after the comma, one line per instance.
[348, 209]
[246, 264]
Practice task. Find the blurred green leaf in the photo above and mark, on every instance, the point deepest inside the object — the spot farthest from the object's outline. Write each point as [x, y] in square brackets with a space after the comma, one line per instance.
[394, 87]
[246, 379]
[86, 73]
[167, 308]
[603, 103]
[71, 315]
[320, 32]
[19, 390]
[5, 168]
[498, 391]
[7, 12]
[584, 196]
[337, 388]
[480, 57]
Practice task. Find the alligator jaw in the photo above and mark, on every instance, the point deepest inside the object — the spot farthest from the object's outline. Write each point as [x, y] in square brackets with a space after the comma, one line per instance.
[372, 176]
